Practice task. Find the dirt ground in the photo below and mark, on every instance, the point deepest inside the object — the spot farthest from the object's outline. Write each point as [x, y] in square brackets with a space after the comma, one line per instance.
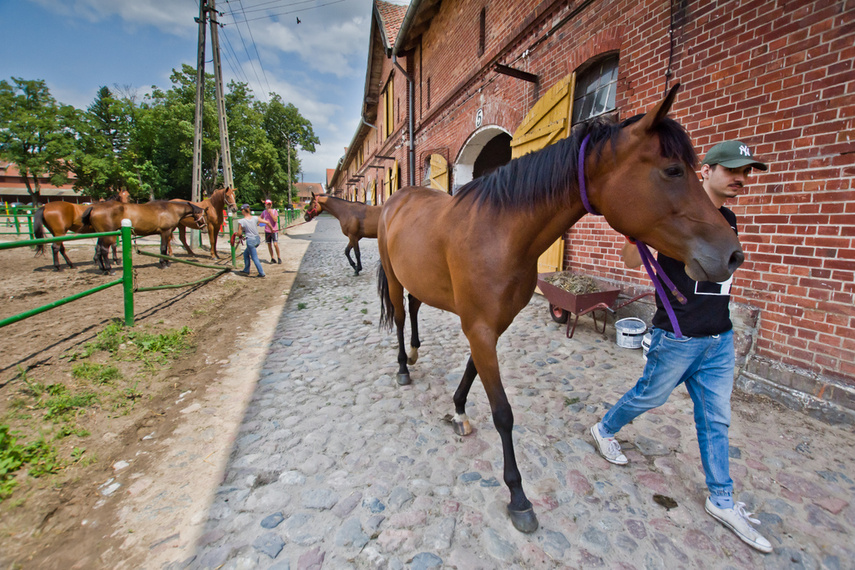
[60, 520]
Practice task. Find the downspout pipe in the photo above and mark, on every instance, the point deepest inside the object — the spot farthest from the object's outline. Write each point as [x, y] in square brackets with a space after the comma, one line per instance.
[411, 158]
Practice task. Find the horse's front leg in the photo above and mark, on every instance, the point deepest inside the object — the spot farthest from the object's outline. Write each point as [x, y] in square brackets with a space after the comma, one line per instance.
[114, 247]
[212, 238]
[415, 343]
[102, 254]
[482, 340]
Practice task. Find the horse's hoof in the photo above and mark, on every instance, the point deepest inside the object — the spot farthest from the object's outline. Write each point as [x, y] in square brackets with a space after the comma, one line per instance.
[404, 379]
[461, 425]
[413, 357]
[524, 521]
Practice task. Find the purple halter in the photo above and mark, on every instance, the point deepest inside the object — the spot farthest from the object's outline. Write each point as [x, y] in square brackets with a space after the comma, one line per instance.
[654, 270]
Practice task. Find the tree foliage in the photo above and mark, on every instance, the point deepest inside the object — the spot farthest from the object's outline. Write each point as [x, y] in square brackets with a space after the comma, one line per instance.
[146, 146]
[36, 133]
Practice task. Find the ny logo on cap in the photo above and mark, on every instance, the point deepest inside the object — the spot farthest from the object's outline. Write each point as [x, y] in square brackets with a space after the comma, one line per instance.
[743, 149]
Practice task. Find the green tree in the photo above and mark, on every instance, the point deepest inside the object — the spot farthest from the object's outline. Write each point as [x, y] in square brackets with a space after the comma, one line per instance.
[36, 132]
[287, 129]
[103, 163]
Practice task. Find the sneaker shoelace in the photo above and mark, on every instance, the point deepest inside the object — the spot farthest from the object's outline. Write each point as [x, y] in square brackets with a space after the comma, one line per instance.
[740, 510]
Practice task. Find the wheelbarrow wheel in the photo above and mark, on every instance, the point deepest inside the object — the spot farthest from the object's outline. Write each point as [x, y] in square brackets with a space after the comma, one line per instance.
[558, 314]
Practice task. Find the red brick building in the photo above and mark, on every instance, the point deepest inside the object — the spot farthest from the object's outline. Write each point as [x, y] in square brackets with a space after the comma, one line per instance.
[456, 88]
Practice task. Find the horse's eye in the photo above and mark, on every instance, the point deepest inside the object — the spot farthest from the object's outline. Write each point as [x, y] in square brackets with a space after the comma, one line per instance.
[674, 172]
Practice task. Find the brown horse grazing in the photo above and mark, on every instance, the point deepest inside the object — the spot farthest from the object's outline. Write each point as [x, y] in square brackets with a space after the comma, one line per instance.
[213, 206]
[61, 218]
[475, 254]
[357, 221]
[156, 217]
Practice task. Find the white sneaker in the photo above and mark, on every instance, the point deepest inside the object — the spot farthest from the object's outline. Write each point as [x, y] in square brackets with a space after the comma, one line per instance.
[608, 447]
[737, 520]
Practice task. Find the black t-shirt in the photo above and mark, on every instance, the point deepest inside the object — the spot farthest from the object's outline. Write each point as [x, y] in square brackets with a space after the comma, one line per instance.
[706, 311]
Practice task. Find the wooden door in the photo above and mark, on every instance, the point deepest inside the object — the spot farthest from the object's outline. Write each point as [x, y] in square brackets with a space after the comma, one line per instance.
[547, 122]
[438, 172]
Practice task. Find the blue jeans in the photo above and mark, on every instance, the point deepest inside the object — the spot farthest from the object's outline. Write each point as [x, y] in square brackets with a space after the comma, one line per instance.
[705, 365]
[251, 251]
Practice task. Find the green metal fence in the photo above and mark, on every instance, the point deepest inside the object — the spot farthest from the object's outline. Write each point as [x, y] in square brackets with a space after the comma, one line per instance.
[16, 222]
[126, 280]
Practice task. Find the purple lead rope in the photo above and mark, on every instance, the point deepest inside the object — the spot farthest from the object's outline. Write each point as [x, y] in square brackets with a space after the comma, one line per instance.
[654, 270]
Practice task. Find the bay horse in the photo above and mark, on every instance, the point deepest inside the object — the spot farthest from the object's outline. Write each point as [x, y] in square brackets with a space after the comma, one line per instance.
[63, 217]
[155, 217]
[357, 221]
[213, 206]
[475, 253]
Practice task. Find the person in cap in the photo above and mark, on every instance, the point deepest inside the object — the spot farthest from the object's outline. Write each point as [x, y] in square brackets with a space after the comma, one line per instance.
[271, 230]
[248, 226]
[703, 358]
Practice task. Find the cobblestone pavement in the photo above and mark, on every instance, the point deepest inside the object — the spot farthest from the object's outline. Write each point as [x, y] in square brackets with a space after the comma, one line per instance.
[336, 466]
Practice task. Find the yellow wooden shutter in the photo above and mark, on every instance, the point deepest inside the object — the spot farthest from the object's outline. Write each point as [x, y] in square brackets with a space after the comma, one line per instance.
[438, 172]
[546, 123]
[387, 188]
[395, 180]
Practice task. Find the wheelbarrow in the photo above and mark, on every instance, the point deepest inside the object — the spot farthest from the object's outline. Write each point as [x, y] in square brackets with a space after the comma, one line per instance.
[563, 304]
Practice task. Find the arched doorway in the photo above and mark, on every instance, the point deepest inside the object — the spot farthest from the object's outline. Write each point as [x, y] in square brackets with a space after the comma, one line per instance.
[487, 149]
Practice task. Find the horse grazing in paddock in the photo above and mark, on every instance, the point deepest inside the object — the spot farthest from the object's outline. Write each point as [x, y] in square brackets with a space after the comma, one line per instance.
[357, 221]
[475, 254]
[213, 206]
[61, 218]
[156, 217]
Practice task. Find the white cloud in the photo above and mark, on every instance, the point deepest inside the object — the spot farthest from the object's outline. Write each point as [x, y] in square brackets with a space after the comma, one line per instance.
[169, 16]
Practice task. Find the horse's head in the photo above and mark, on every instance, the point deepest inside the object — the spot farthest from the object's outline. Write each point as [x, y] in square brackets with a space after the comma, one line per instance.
[124, 196]
[315, 208]
[231, 203]
[644, 183]
[199, 215]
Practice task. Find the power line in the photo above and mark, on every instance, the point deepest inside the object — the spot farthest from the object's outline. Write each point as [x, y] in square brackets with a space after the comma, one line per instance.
[291, 11]
[255, 47]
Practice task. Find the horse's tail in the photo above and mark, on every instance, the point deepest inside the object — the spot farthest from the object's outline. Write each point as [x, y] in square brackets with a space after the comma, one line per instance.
[387, 310]
[86, 218]
[39, 229]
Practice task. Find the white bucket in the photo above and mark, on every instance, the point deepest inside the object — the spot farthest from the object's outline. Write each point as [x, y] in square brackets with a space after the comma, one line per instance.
[629, 332]
[645, 343]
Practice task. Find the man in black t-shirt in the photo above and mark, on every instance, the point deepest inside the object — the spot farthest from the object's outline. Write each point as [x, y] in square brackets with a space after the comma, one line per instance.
[702, 358]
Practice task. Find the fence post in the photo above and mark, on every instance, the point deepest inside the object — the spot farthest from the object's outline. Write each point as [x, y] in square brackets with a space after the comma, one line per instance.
[127, 272]
[30, 224]
[231, 231]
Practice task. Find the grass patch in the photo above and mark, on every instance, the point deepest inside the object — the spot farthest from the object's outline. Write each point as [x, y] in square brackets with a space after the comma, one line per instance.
[94, 373]
[39, 456]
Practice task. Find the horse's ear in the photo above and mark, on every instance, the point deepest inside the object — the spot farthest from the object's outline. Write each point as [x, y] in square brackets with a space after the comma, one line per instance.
[655, 115]
[313, 195]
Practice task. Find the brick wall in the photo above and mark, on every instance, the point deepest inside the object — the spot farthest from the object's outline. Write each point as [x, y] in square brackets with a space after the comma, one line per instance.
[776, 75]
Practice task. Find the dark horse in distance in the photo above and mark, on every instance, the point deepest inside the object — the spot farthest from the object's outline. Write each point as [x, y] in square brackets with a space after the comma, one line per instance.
[357, 221]
[63, 217]
[475, 253]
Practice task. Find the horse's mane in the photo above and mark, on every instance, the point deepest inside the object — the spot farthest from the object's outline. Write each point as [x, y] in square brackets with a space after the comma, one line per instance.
[547, 174]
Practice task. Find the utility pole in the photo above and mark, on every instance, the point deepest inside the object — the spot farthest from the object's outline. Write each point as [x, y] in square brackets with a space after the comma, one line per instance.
[221, 102]
[196, 190]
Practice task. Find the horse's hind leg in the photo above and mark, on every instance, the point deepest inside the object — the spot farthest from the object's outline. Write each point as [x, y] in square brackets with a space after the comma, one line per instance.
[415, 343]
[358, 257]
[183, 238]
[482, 340]
[64, 255]
[460, 421]
[114, 247]
[392, 309]
[349, 260]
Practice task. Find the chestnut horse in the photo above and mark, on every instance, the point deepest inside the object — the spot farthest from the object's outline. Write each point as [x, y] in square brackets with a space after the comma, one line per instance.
[475, 253]
[357, 221]
[61, 218]
[213, 206]
[156, 217]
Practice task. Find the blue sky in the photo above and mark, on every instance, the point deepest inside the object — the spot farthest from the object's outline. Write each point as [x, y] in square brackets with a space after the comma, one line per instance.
[77, 46]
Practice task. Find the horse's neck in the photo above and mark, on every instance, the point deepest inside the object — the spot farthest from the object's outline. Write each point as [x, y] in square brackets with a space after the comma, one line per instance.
[549, 222]
[217, 199]
[335, 207]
